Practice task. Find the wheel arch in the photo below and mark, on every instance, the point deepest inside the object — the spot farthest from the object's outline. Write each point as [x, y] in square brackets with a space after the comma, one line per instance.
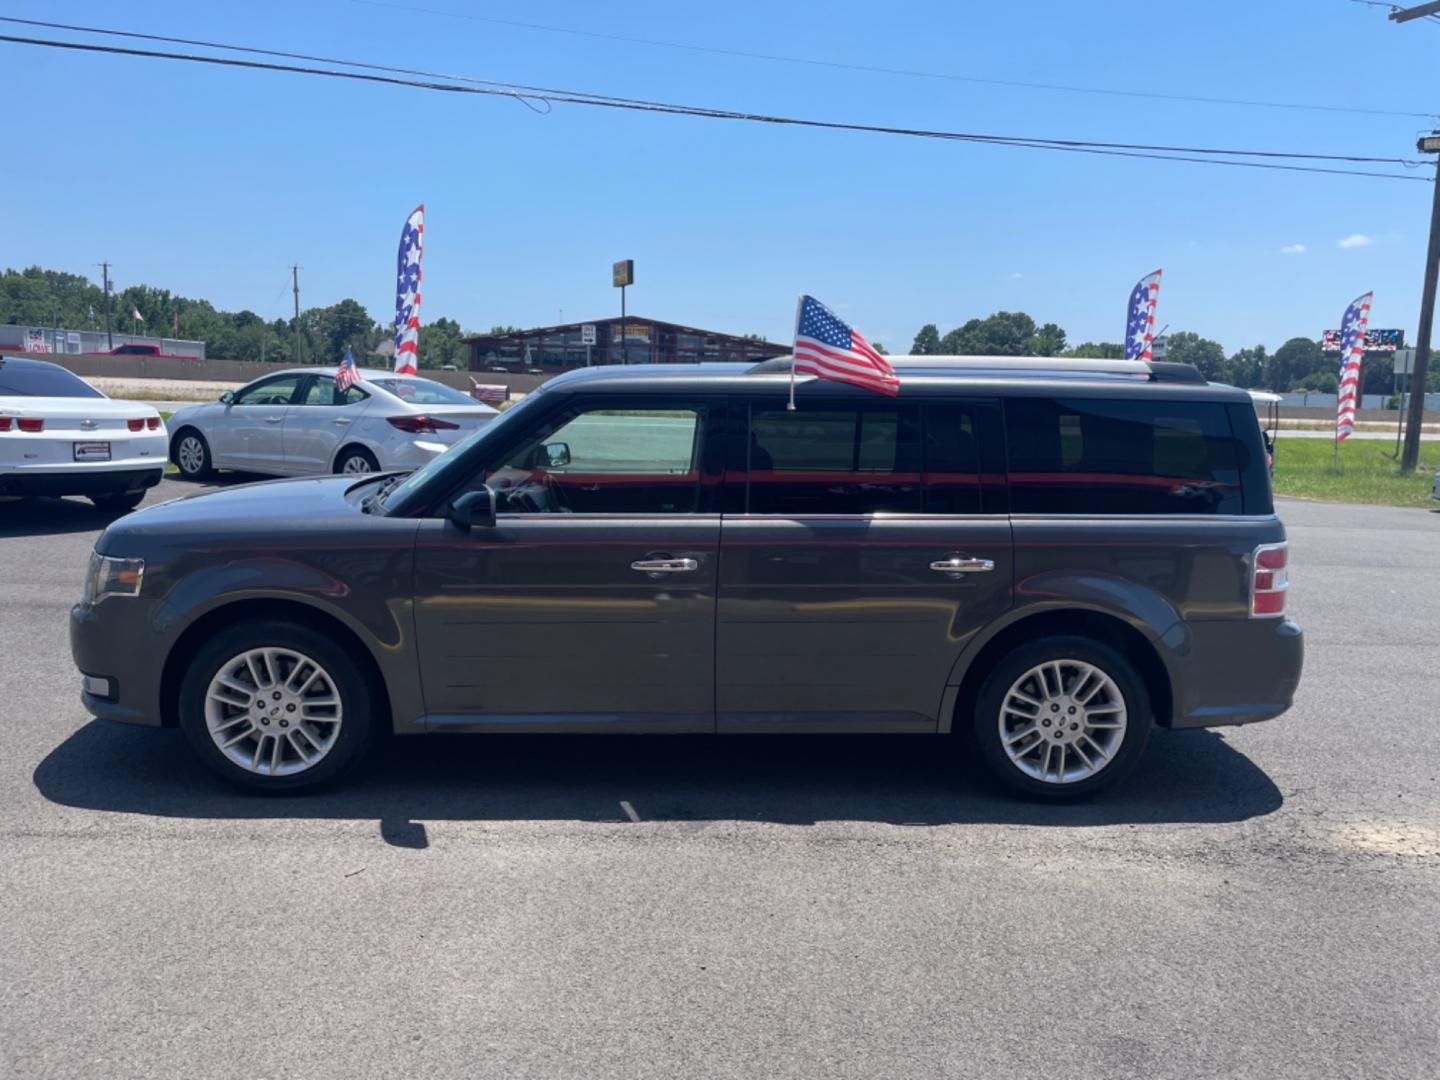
[178, 433]
[199, 631]
[353, 444]
[1109, 629]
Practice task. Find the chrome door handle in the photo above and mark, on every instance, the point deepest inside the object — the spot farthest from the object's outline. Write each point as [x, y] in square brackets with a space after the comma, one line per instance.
[664, 566]
[273, 419]
[957, 565]
[342, 420]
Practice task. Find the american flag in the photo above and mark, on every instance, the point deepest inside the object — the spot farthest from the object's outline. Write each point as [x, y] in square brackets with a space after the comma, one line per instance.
[827, 347]
[407, 293]
[1352, 351]
[1140, 317]
[346, 375]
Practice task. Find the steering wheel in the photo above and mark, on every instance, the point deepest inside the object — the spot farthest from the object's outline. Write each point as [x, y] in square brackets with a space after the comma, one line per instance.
[538, 495]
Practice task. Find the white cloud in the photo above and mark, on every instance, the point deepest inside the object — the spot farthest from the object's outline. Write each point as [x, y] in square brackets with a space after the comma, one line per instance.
[1355, 240]
[1294, 249]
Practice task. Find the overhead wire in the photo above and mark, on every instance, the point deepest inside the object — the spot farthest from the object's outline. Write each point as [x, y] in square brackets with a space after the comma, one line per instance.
[375, 74]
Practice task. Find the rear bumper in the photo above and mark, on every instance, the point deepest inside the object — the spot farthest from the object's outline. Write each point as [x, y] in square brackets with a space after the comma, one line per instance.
[90, 481]
[1232, 671]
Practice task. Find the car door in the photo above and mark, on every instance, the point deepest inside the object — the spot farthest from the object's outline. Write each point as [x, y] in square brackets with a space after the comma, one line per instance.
[869, 546]
[592, 600]
[249, 434]
[318, 421]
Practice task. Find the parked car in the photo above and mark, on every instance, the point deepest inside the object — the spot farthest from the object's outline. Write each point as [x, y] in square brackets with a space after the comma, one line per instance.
[1046, 561]
[61, 436]
[295, 422]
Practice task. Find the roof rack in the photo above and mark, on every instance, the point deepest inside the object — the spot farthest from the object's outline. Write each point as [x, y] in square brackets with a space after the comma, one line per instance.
[1031, 366]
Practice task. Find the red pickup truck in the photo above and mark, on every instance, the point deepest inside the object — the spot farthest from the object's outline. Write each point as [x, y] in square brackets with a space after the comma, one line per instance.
[143, 350]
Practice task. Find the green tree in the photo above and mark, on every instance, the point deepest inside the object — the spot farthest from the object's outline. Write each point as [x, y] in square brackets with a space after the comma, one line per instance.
[440, 344]
[1320, 382]
[1294, 361]
[927, 341]
[1049, 340]
[1093, 350]
[880, 348]
[1247, 367]
[1005, 333]
[1190, 348]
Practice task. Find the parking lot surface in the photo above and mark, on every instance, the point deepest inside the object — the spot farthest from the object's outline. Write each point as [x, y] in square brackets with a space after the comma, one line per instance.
[1255, 902]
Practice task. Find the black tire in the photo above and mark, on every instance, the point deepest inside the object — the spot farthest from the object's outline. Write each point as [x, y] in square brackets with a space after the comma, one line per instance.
[118, 502]
[188, 466]
[356, 454]
[986, 723]
[356, 688]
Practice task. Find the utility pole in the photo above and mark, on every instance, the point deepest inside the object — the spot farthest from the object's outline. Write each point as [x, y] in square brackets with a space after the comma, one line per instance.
[1419, 11]
[295, 278]
[1427, 144]
[105, 278]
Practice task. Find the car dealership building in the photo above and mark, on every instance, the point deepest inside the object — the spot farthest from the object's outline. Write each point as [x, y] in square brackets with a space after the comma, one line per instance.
[550, 350]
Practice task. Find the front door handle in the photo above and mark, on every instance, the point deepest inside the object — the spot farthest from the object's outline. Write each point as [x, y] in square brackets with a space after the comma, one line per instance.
[956, 565]
[342, 420]
[273, 419]
[664, 566]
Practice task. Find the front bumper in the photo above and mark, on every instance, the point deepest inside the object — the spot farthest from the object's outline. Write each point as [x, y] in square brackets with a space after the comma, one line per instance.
[1235, 671]
[120, 650]
[79, 482]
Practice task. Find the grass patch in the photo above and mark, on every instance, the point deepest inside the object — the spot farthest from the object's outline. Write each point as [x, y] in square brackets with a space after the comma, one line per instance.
[1367, 472]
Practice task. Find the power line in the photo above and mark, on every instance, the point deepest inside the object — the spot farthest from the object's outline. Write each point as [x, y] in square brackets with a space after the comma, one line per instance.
[1167, 153]
[876, 70]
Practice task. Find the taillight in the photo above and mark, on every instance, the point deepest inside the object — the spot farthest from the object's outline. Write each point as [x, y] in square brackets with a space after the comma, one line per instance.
[136, 425]
[1269, 578]
[421, 425]
[30, 423]
[152, 422]
[5, 422]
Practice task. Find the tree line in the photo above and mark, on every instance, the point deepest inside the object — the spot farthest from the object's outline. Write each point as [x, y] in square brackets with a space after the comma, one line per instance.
[52, 298]
[1300, 364]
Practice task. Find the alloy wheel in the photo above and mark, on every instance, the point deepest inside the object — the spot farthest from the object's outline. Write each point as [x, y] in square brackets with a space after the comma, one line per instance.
[1062, 721]
[190, 455]
[355, 463]
[273, 711]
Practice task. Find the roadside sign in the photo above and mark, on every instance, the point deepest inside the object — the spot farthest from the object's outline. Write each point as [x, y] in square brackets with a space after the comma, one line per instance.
[622, 273]
[1404, 361]
[587, 334]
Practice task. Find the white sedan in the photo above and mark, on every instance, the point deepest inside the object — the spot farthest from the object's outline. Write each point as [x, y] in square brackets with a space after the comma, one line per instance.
[295, 423]
[61, 436]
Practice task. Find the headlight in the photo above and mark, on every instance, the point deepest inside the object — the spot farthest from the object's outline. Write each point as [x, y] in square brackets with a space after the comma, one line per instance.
[112, 577]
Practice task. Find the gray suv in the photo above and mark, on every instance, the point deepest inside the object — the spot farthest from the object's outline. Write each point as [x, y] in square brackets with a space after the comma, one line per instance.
[1046, 558]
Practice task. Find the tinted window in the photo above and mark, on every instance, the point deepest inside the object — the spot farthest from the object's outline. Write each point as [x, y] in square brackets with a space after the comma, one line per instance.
[276, 391]
[42, 380]
[952, 460]
[423, 392]
[1121, 457]
[321, 391]
[606, 461]
[835, 460]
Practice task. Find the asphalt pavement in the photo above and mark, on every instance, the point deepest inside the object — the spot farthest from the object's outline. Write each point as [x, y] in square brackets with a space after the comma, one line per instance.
[1260, 902]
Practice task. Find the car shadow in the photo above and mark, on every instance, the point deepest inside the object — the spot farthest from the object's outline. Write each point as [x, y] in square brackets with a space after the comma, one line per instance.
[53, 517]
[1189, 776]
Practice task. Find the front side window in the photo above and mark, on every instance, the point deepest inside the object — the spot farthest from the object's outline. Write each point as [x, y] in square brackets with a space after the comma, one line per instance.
[321, 391]
[605, 461]
[276, 391]
[1085, 456]
[835, 460]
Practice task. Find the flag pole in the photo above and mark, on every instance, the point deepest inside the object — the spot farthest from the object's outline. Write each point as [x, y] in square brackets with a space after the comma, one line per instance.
[799, 303]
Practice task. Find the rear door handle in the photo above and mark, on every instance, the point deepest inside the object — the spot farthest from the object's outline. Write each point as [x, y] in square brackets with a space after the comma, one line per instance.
[273, 419]
[342, 420]
[957, 565]
[664, 566]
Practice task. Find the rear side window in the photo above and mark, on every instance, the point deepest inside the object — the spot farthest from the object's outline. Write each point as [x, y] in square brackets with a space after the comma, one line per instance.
[835, 460]
[42, 380]
[1084, 456]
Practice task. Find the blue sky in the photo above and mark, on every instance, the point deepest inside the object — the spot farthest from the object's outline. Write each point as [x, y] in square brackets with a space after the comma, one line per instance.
[211, 182]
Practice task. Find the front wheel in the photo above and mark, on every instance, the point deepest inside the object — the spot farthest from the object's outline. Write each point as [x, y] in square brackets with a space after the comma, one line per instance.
[356, 459]
[192, 455]
[277, 706]
[1062, 717]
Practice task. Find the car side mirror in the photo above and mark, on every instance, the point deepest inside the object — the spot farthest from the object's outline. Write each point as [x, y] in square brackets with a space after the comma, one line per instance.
[474, 510]
[227, 398]
[557, 454]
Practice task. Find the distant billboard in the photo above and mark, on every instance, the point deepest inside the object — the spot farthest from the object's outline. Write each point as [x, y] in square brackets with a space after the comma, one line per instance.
[1382, 341]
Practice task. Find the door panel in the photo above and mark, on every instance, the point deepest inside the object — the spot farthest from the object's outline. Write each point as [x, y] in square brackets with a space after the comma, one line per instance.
[541, 622]
[250, 433]
[841, 624]
[317, 423]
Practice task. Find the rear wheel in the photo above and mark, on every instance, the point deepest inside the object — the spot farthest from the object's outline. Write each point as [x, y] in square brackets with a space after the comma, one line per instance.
[1061, 718]
[192, 455]
[118, 502]
[277, 706]
[356, 459]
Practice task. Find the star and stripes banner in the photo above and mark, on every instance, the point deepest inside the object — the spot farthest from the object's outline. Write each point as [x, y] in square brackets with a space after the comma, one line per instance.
[1140, 317]
[407, 293]
[1352, 351]
[346, 375]
[827, 347]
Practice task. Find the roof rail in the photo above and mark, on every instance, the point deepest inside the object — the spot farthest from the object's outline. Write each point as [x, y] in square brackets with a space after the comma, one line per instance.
[1035, 366]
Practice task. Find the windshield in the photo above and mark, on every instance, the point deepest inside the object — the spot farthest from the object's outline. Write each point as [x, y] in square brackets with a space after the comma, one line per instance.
[42, 380]
[423, 392]
[400, 498]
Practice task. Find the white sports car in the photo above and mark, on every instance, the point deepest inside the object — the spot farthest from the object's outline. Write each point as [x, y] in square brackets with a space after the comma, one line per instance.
[61, 436]
[295, 422]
